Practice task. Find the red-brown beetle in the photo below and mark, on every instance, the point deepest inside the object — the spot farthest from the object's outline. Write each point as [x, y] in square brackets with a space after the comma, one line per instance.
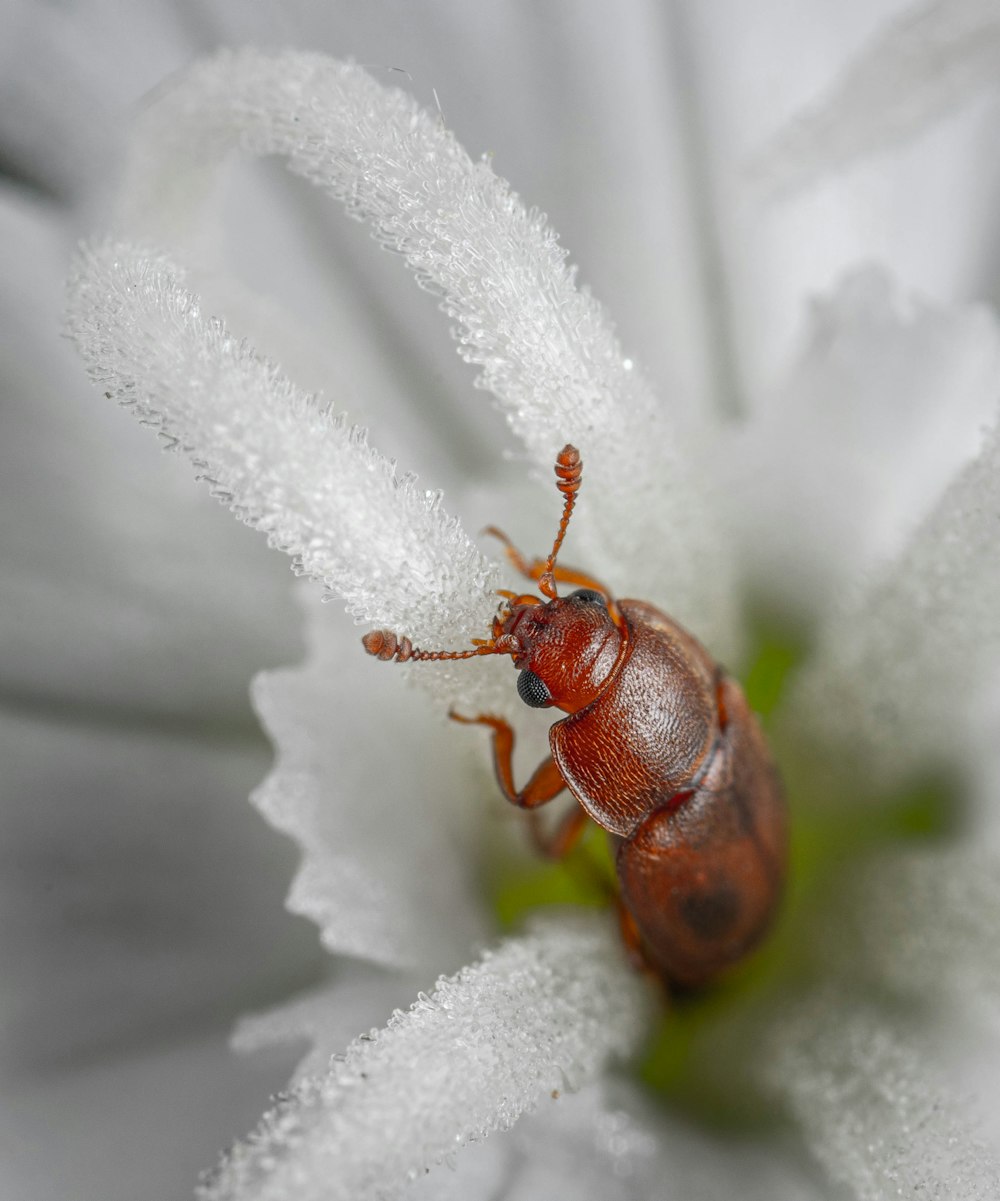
[659, 748]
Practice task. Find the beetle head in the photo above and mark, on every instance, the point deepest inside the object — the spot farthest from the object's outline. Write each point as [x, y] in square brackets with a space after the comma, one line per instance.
[565, 648]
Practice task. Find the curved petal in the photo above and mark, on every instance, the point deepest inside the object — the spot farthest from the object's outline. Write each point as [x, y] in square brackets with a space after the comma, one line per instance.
[545, 348]
[930, 58]
[884, 405]
[610, 1142]
[900, 671]
[543, 1012]
[386, 809]
[872, 1106]
[923, 923]
[116, 574]
[276, 455]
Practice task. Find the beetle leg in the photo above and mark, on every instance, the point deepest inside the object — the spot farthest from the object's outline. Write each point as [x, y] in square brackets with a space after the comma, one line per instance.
[546, 781]
[557, 843]
[722, 685]
[534, 569]
[632, 939]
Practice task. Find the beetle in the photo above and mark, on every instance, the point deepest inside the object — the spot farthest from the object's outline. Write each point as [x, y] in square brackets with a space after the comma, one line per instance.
[659, 747]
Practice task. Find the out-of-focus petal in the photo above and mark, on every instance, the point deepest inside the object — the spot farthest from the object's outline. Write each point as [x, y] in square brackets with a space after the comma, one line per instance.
[543, 1012]
[756, 67]
[65, 73]
[874, 1109]
[140, 897]
[886, 402]
[923, 923]
[122, 589]
[900, 672]
[141, 1122]
[929, 59]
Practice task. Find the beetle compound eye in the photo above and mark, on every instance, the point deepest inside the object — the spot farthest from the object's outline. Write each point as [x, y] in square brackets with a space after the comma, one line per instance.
[533, 690]
[588, 596]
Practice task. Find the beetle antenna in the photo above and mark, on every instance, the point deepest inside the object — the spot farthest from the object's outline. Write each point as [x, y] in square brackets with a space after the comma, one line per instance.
[385, 645]
[569, 475]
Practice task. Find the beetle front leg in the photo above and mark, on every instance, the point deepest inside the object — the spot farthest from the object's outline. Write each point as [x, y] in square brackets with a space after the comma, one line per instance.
[545, 785]
[546, 782]
[632, 939]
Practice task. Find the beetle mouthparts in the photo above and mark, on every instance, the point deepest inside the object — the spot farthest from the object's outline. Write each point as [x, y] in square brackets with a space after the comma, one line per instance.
[507, 644]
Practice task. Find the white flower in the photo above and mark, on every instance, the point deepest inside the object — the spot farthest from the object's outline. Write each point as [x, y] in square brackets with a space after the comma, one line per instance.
[395, 899]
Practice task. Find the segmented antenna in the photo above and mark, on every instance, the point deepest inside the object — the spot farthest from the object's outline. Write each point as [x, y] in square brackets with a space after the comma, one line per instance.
[569, 476]
[385, 645]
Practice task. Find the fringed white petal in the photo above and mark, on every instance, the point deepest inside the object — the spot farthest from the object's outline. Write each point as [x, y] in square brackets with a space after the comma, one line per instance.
[545, 348]
[386, 801]
[276, 455]
[541, 1014]
[927, 61]
[871, 1106]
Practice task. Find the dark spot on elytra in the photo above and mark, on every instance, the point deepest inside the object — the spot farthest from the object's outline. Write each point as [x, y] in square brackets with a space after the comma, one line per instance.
[710, 915]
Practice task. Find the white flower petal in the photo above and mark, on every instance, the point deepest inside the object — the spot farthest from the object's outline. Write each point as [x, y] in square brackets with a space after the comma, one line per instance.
[612, 1142]
[753, 67]
[354, 997]
[885, 404]
[874, 1110]
[140, 897]
[123, 591]
[608, 1142]
[898, 674]
[139, 1124]
[277, 455]
[385, 806]
[63, 139]
[928, 60]
[543, 1012]
[923, 923]
[576, 133]
[545, 348]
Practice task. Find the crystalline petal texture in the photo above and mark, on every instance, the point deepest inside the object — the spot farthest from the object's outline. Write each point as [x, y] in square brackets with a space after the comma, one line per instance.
[275, 454]
[541, 1014]
[545, 347]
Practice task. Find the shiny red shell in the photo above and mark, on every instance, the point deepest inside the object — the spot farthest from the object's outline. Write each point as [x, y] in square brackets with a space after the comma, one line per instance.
[671, 762]
[658, 747]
